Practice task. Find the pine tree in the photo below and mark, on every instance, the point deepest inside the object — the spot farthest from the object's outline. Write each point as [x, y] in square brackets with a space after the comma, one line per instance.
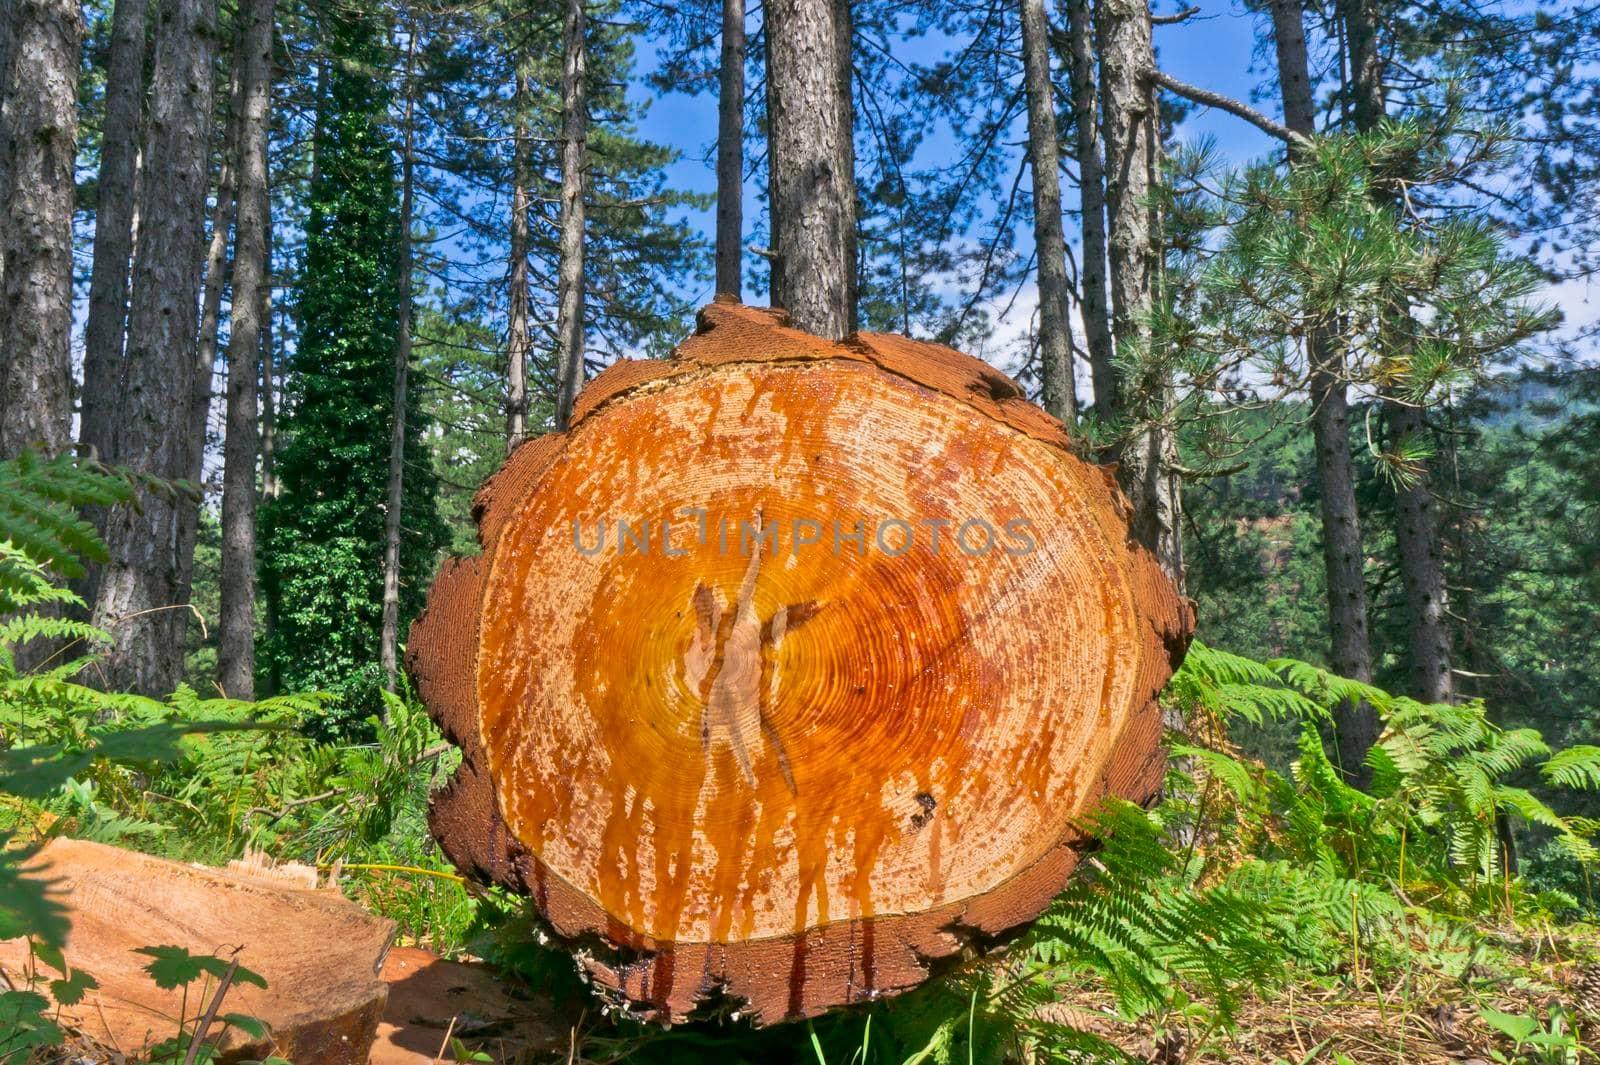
[323, 533]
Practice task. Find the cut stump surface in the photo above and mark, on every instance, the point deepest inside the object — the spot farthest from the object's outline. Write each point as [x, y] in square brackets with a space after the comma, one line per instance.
[319, 953]
[790, 667]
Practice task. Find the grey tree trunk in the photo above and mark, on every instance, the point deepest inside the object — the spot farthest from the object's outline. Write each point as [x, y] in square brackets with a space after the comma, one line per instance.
[775, 292]
[1366, 64]
[269, 470]
[1092, 192]
[216, 277]
[1044, 160]
[7, 18]
[844, 60]
[1421, 569]
[1149, 457]
[813, 197]
[1344, 561]
[140, 596]
[730, 152]
[113, 228]
[569, 277]
[388, 648]
[236, 649]
[518, 334]
[40, 134]
[205, 352]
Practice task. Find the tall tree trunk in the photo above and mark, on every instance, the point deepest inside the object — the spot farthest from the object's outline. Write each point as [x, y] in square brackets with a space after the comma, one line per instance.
[1092, 192]
[203, 382]
[813, 200]
[518, 334]
[236, 650]
[1421, 569]
[844, 67]
[216, 277]
[1421, 566]
[1360, 20]
[139, 599]
[730, 152]
[1044, 159]
[1355, 724]
[775, 290]
[7, 18]
[390, 637]
[269, 398]
[574, 179]
[1128, 110]
[113, 228]
[40, 132]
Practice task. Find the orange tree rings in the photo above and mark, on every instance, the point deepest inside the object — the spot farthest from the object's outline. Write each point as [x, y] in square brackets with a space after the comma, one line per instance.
[789, 667]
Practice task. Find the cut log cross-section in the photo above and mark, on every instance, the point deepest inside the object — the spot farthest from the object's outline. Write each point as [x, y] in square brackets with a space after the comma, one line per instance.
[791, 668]
[318, 953]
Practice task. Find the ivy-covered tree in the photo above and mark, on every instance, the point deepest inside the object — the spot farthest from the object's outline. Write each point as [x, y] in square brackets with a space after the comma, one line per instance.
[324, 530]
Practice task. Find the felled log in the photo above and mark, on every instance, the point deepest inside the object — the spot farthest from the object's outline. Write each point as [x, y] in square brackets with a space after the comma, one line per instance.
[789, 669]
[319, 953]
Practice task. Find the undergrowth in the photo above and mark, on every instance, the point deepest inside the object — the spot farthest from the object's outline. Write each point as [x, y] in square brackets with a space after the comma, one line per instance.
[1229, 922]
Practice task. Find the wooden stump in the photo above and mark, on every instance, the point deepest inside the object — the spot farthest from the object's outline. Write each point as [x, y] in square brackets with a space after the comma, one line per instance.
[786, 671]
[318, 952]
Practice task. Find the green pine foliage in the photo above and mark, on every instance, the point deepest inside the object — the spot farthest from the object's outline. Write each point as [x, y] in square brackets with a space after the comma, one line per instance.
[323, 535]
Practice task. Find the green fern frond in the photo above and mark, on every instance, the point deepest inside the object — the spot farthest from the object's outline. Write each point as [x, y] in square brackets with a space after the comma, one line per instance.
[1573, 767]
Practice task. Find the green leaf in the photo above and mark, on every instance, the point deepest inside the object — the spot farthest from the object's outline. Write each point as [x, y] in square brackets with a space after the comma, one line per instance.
[254, 1027]
[1517, 1027]
[23, 1024]
[70, 992]
[173, 966]
[28, 905]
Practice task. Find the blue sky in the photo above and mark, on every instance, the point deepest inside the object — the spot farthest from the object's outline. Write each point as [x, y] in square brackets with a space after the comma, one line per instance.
[1213, 49]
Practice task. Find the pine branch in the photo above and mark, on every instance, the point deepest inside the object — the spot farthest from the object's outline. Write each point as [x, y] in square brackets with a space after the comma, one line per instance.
[1227, 103]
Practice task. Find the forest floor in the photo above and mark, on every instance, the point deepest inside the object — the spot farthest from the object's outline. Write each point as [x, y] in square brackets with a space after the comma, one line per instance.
[1519, 997]
[1514, 997]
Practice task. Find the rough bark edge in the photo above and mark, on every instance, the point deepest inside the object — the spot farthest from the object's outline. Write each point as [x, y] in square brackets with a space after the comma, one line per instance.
[792, 976]
[727, 331]
[783, 977]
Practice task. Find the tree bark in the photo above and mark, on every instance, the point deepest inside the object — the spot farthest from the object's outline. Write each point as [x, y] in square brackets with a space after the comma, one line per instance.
[730, 152]
[1092, 193]
[574, 180]
[113, 228]
[388, 658]
[217, 265]
[140, 596]
[1421, 569]
[844, 60]
[40, 134]
[1050, 243]
[1344, 560]
[518, 335]
[775, 291]
[813, 196]
[1149, 456]
[7, 18]
[236, 653]
[269, 397]
[1366, 62]
[591, 757]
